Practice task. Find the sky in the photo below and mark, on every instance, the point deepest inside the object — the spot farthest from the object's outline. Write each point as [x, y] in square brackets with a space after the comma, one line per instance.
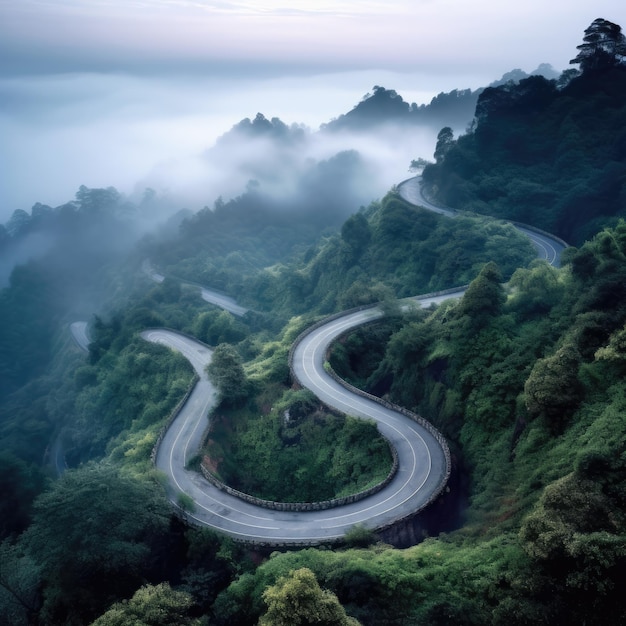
[104, 92]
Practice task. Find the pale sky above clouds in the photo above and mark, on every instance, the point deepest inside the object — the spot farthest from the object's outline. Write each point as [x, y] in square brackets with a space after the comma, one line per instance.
[287, 35]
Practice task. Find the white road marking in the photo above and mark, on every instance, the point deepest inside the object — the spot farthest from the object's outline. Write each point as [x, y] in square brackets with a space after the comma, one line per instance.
[222, 512]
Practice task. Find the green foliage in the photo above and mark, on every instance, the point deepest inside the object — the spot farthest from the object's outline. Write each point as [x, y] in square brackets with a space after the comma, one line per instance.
[271, 362]
[65, 409]
[20, 582]
[359, 537]
[383, 251]
[526, 379]
[387, 251]
[484, 297]
[185, 502]
[534, 291]
[211, 563]
[385, 106]
[95, 534]
[19, 484]
[133, 394]
[444, 143]
[215, 327]
[356, 234]
[158, 605]
[226, 371]
[417, 165]
[577, 536]
[356, 356]
[552, 389]
[286, 448]
[69, 273]
[298, 599]
[227, 246]
[31, 417]
[603, 46]
[543, 153]
[437, 582]
[30, 309]
[552, 349]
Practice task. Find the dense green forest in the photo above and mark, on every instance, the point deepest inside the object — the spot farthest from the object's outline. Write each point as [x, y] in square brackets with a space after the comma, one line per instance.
[524, 375]
[389, 249]
[545, 152]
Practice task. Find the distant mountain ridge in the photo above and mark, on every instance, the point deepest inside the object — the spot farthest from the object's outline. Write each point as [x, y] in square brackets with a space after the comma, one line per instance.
[383, 106]
[454, 108]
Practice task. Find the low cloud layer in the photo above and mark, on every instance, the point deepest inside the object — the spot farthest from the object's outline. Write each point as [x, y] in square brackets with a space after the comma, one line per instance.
[63, 131]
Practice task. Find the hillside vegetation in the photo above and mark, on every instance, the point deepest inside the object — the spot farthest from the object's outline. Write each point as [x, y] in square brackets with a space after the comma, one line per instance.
[387, 250]
[551, 153]
[525, 375]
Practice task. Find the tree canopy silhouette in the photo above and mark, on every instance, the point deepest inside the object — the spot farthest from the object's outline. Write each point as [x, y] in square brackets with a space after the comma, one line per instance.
[604, 45]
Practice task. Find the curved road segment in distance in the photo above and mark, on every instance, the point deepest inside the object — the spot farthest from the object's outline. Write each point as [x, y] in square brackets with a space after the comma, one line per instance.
[422, 462]
[80, 335]
[208, 295]
[549, 248]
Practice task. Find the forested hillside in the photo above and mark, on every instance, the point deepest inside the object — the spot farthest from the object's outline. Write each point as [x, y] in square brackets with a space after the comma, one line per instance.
[551, 153]
[386, 107]
[525, 376]
[387, 250]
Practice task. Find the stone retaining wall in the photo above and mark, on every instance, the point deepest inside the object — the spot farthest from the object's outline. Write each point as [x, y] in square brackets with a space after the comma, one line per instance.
[389, 405]
[441, 440]
[300, 507]
[171, 418]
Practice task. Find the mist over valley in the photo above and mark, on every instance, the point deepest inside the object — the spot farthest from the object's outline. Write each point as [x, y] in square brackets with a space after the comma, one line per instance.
[312, 313]
[169, 143]
[128, 131]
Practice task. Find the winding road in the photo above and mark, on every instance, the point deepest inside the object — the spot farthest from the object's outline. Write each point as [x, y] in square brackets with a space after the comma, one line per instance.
[423, 461]
[208, 295]
[548, 246]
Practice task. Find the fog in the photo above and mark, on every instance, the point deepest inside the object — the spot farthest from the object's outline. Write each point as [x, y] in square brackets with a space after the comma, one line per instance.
[134, 94]
[132, 132]
[278, 165]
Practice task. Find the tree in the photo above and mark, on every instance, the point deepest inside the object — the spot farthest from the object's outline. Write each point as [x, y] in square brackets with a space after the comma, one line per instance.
[4, 237]
[19, 223]
[170, 289]
[39, 214]
[576, 539]
[360, 537]
[97, 201]
[95, 534]
[298, 599]
[603, 46]
[417, 165]
[553, 390]
[19, 484]
[356, 233]
[484, 297]
[20, 580]
[445, 138]
[226, 372]
[158, 605]
[535, 290]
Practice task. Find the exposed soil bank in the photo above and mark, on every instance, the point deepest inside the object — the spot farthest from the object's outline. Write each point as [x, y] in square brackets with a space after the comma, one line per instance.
[444, 515]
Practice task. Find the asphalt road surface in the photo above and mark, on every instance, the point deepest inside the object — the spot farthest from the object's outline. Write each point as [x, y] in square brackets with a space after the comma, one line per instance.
[422, 464]
[208, 295]
[548, 247]
[422, 460]
[80, 335]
